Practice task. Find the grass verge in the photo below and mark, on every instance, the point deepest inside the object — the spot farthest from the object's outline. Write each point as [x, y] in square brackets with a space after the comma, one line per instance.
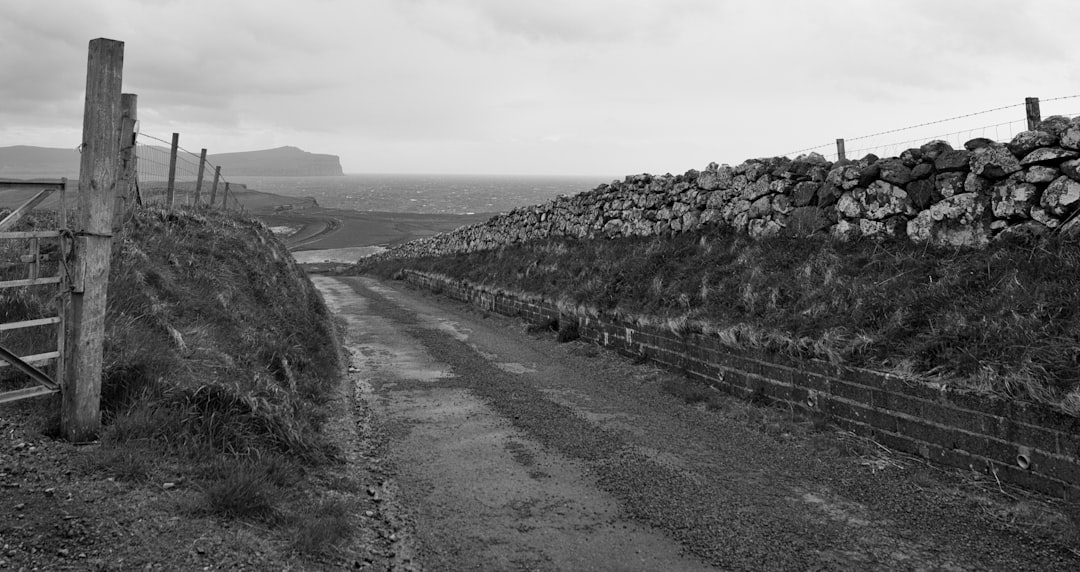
[1003, 320]
[221, 362]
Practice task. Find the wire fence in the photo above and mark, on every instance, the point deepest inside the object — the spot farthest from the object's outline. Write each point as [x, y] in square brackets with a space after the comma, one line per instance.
[158, 164]
[999, 124]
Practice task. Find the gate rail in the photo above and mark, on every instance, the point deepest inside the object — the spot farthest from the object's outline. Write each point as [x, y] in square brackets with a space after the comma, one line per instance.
[46, 384]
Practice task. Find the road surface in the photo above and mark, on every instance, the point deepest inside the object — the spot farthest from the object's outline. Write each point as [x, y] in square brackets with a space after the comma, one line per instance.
[509, 451]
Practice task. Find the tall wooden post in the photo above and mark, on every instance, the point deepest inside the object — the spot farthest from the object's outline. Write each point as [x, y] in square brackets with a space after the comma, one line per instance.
[125, 193]
[1033, 115]
[840, 153]
[225, 199]
[199, 178]
[170, 191]
[213, 189]
[80, 416]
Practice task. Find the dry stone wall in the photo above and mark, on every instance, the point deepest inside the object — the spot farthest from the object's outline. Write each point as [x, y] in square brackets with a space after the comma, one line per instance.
[933, 194]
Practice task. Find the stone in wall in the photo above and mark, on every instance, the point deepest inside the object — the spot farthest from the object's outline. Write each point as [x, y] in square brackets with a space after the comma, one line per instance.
[955, 221]
[1061, 196]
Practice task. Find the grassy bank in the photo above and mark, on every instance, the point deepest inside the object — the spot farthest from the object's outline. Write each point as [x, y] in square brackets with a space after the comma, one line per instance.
[220, 365]
[1004, 320]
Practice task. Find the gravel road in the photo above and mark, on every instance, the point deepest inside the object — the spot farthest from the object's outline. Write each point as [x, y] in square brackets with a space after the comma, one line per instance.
[509, 451]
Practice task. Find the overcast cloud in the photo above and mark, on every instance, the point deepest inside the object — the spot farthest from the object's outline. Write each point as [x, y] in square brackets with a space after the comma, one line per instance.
[596, 87]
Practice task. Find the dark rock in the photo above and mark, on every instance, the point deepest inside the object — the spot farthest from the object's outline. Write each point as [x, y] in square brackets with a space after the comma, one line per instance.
[922, 193]
[1027, 141]
[911, 157]
[953, 161]
[894, 171]
[868, 159]
[828, 195]
[978, 143]
[869, 174]
[922, 170]
[932, 150]
[805, 193]
[1048, 156]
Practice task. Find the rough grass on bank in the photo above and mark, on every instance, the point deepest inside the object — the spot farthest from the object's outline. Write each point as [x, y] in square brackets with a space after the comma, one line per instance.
[220, 362]
[1004, 320]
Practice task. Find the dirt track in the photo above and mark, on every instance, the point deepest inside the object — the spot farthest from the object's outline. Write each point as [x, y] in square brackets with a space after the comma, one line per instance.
[511, 452]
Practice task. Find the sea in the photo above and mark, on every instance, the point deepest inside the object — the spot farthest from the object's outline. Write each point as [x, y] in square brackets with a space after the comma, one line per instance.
[429, 194]
[434, 194]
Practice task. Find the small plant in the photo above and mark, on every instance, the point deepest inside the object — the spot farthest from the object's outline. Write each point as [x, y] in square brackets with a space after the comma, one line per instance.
[241, 493]
[568, 331]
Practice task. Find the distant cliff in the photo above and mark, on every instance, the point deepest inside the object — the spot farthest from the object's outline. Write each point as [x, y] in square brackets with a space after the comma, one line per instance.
[282, 161]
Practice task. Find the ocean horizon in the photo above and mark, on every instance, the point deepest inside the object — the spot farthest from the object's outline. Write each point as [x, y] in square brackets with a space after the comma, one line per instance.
[427, 193]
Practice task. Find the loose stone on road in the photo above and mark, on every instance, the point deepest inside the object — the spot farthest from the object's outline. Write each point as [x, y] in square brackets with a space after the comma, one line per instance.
[511, 452]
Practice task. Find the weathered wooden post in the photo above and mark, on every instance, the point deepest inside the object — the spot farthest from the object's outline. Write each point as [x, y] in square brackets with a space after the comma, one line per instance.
[125, 194]
[199, 178]
[225, 198]
[1033, 115]
[840, 155]
[80, 415]
[213, 189]
[170, 191]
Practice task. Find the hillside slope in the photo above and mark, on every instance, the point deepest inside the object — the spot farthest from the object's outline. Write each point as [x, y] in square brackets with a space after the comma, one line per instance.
[221, 368]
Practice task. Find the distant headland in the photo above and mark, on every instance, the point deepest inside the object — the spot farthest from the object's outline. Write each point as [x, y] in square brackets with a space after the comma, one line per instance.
[279, 162]
[25, 162]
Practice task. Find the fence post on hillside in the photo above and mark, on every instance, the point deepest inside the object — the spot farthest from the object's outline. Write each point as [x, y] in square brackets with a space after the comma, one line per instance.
[84, 306]
[213, 189]
[125, 192]
[225, 198]
[840, 154]
[199, 178]
[1033, 115]
[170, 191]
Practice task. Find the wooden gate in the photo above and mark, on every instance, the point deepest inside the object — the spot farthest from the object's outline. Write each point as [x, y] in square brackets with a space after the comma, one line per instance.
[12, 275]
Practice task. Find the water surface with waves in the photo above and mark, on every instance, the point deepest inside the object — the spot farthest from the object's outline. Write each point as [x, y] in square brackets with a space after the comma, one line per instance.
[435, 194]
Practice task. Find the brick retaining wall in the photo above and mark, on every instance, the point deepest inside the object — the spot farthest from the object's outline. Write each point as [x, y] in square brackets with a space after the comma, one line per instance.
[1029, 445]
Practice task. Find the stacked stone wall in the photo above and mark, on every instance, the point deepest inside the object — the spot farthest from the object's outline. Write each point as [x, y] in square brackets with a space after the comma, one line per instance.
[932, 194]
[1029, 445]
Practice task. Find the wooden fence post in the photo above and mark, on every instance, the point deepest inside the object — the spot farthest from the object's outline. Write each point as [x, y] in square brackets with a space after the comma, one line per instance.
[199, 178]
[213, 189]
[170, 191]
[1033, 116]
[80, 415]
[840, 154]
[125, 193]
[225, 199]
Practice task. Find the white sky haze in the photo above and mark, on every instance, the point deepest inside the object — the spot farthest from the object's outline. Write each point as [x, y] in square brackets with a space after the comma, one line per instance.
[587, 87]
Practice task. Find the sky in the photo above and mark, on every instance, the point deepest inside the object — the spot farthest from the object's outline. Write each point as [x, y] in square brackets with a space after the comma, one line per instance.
[574, 87]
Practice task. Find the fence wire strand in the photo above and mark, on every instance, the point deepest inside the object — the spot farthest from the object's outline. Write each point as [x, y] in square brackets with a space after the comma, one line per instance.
[1001, 130]
[152, 172]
